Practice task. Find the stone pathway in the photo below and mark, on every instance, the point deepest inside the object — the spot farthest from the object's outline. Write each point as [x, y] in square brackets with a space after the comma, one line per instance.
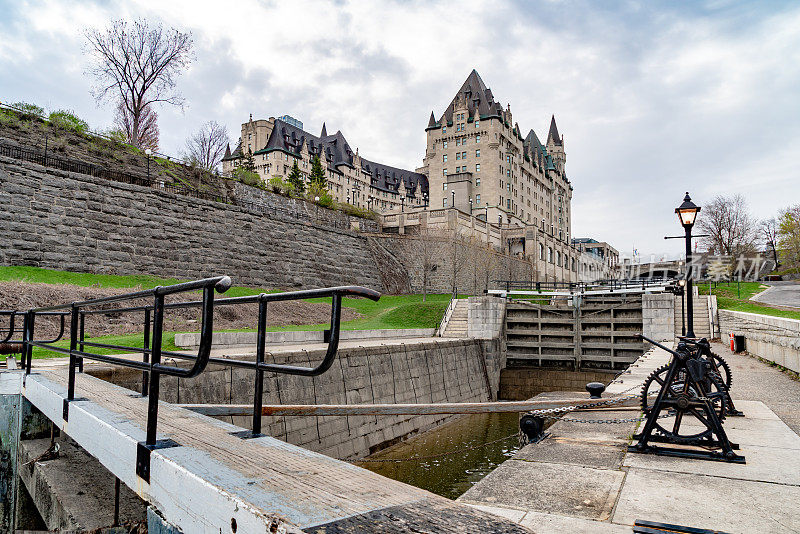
[781, 294]
[582, 479]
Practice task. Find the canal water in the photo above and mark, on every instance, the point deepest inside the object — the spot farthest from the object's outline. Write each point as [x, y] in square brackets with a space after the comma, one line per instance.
[439, 471]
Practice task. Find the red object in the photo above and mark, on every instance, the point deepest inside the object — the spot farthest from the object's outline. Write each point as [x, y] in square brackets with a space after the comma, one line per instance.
[732, 344]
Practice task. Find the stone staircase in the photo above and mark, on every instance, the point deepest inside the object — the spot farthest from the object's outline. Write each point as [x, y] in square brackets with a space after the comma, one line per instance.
[457, 325]
[702, 326]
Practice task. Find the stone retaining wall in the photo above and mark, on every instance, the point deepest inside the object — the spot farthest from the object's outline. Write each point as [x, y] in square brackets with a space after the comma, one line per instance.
[773, 338]
[74, 222]
[443, 371]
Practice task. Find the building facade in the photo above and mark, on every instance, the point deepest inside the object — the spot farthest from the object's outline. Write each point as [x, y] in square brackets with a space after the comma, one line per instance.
[276, 144]
[606, 262]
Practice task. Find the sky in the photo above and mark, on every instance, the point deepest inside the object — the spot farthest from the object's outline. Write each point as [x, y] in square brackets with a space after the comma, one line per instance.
[653, 98]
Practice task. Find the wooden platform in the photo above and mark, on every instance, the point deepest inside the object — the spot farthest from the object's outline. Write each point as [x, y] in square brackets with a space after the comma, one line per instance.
[214, 479]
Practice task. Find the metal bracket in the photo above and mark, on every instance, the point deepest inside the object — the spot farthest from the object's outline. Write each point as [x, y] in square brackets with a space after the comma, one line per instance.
[247, 434]
[65, 408]
[143, 451]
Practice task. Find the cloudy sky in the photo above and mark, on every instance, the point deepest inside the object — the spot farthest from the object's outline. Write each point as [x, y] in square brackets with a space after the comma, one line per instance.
[653, 98]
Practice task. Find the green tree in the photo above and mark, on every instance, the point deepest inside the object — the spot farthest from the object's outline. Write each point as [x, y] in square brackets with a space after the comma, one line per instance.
[317, 172]
[248, 163]
[296, 179]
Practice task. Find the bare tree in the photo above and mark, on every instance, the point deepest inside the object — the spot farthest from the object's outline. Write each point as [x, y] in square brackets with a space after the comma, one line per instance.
[458, 255]
[137, 65]
[769, 231]
[206, 147]
[732, 230]
[487, 261]
[424, 253]
[147, 133]
[789, 235]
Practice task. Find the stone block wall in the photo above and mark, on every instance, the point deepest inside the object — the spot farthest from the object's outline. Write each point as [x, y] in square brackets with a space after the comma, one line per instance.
[74, 222]
[658, 316]
[300, 209]
[486, 317]
[773, 338]
[443, 371]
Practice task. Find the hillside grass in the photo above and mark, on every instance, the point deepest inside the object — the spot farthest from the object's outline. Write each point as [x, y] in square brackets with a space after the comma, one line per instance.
[390, 312]
[736, 297]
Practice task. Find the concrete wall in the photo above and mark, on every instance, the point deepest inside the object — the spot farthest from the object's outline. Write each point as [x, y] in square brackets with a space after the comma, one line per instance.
[75, 222]
[525, 383]
[773, 338]
[436, 371]
[658, 316]
[241, 339]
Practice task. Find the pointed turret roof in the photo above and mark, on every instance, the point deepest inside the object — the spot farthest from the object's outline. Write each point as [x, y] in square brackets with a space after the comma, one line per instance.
[227, 151]
[432, 121]
[476, 96]
[324, 131]
[553, 132]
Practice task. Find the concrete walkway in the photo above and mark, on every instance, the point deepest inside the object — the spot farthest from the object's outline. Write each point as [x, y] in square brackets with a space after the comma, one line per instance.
[780, 294]
[582, 479]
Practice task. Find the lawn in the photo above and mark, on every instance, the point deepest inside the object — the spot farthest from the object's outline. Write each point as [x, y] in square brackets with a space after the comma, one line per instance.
[736, 297]
[390, 312]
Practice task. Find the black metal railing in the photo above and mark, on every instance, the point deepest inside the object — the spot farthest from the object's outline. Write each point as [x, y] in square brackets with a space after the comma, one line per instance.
[152, 352]
[609, 284]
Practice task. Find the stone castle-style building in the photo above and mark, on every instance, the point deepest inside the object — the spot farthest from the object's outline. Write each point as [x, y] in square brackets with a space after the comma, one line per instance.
[276, 144]
[480, 177]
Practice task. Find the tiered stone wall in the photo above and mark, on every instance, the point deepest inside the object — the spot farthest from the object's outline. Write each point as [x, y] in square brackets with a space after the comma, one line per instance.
[74, 222]
[444, 371]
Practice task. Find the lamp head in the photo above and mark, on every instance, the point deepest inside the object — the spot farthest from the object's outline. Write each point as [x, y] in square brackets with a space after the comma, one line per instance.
[687, 212]
[148, 152]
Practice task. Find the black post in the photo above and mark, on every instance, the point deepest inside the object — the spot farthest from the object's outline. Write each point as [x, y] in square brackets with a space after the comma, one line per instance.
[683, 316]
[689, 295]
[155, 375]
[27, 328]
[82, 337]
[73, 345]
[145, 354]
[258, 395]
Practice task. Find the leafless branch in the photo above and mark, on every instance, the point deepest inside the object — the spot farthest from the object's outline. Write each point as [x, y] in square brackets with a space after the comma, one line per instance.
[206, 147]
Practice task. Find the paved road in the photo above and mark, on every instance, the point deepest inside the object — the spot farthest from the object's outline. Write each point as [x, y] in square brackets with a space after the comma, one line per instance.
[781, 294]
[753, 380]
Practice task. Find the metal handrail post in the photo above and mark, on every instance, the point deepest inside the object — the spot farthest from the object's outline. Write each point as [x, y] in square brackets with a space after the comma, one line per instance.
[155, 374]
[27, 339]
[73, 345]
[145, 353]
[258, 391]
[82, 334]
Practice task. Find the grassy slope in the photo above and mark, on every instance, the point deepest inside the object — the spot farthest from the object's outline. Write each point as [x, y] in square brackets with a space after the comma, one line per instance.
[391, 311]
[731, 297]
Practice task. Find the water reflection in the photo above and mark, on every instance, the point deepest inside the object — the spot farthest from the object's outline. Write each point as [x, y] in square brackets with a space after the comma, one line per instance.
[453, 474]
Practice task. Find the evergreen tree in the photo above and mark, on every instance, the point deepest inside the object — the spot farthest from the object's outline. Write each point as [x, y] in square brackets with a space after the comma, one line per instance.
[296, 179]
[317, 173]
[248, 163]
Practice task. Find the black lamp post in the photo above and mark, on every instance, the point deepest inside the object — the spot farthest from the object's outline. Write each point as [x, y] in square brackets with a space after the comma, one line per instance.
[682, 286]
[454, 199]
[470, 206]
[687, 213]
[402, 204]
